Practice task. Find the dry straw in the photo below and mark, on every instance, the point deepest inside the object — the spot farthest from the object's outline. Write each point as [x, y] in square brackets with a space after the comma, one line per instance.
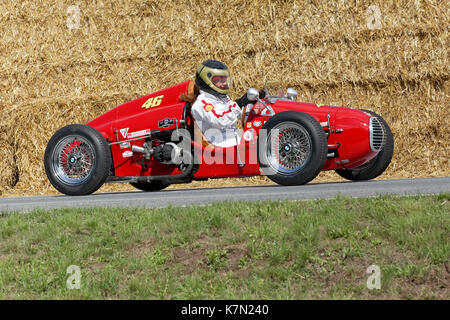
[56, 69]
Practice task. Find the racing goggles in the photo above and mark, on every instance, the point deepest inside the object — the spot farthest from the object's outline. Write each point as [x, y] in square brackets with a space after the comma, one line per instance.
[221, 82]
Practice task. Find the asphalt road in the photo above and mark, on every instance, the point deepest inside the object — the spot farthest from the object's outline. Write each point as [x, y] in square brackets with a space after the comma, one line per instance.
[183, 197]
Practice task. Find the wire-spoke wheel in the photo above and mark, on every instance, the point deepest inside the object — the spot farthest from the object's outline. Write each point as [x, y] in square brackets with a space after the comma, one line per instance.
[77, 160]
[73, 160]
[293, 148]
[290, 149]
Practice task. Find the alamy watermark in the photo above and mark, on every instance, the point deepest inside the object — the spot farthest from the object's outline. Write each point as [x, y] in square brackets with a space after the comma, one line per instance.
[74, 280]
[74, 17]
[373, 21]
[374, 280]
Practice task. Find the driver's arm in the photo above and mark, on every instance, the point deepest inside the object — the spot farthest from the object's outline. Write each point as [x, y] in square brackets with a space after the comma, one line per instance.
[243, 101]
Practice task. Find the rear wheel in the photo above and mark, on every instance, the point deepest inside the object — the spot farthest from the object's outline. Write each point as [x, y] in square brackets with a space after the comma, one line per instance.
[377, 165]
[77, 160]
[150, 186]
[294, 150]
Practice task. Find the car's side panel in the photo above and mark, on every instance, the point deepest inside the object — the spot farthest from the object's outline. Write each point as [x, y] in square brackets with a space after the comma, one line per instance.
[223, 162]
[354, 147]
[134, 120]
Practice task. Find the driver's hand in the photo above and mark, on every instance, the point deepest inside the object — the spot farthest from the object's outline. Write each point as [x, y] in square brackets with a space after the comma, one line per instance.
[262, 94]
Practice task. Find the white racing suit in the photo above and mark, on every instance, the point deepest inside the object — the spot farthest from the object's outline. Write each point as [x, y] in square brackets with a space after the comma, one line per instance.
[217, 119]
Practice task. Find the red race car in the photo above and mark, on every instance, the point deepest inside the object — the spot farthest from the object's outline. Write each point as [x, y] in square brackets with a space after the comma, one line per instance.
[153, 141]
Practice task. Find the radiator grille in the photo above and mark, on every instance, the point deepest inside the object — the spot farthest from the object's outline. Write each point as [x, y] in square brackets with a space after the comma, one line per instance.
[376, 134]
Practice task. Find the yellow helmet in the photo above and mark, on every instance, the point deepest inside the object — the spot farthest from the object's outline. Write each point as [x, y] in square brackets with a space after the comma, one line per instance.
[213, 76]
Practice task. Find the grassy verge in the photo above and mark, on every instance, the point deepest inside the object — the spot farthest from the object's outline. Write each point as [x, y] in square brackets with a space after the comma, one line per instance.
[264, 250]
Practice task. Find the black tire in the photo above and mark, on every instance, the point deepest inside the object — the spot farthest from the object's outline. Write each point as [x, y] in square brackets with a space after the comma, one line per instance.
[305, 139]
[377, 165]
[77, 149]
[150, 186]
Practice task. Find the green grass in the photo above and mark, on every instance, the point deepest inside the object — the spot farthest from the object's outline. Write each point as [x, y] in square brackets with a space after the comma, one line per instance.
[259, 250]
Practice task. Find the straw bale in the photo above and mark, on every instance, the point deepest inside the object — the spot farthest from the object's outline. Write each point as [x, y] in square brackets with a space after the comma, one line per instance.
[51, 76]
[8, 169]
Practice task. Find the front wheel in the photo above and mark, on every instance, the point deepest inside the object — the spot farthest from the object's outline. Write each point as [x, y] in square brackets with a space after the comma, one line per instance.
[77, 160]
[377, 165]
[293, 148]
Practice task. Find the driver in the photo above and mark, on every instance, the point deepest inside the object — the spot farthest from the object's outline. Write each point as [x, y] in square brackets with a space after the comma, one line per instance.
[214, 112]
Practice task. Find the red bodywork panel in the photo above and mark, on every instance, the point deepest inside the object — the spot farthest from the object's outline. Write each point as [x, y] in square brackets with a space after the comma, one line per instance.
[132, 118]
[161, 110]
[354, 139]
[135, 117]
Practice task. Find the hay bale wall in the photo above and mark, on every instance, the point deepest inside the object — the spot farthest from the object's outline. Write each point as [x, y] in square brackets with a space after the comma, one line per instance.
[55, 71]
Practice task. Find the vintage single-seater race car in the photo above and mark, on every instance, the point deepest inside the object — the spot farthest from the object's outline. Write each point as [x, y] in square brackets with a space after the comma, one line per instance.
[288, 141]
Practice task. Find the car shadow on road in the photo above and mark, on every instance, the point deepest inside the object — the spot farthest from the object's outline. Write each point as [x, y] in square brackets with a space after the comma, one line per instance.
[248, 187]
